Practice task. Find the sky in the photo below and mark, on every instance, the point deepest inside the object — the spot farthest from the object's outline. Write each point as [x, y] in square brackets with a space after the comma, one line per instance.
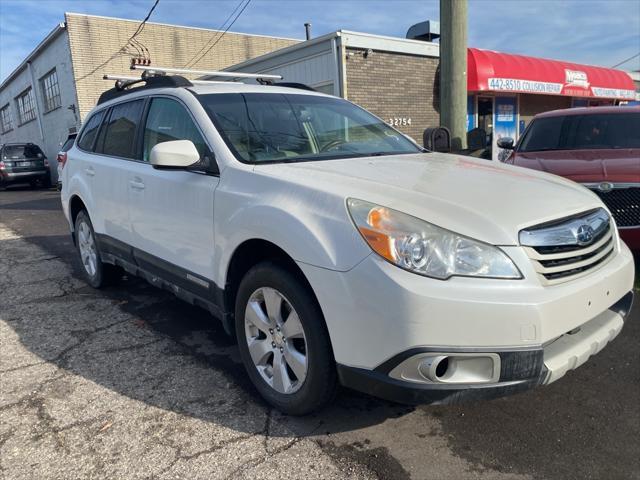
[603, 32]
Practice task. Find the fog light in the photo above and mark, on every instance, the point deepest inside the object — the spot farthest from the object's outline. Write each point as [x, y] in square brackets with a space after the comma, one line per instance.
[452, 368]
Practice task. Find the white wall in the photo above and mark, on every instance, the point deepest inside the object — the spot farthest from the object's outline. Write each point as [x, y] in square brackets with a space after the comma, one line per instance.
[312, 63]
[56, 123]
[310, 71]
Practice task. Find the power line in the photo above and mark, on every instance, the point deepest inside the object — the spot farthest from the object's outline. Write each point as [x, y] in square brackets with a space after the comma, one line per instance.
[123, 49]
[223, 33]
[625, 61]
[145, 50]
[213, 37]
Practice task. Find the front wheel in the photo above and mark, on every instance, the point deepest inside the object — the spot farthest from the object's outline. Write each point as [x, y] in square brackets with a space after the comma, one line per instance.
[283, 340]
[96, 273]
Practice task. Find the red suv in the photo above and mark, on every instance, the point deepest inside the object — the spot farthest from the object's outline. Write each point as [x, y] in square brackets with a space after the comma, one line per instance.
[598, 147]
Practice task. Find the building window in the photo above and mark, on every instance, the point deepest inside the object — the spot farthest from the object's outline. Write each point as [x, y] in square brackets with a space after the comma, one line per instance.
[50, 91]
[5, 119]
[26, 106]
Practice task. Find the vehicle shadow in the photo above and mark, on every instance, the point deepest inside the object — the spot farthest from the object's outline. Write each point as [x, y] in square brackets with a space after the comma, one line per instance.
[194, 334]
[584, 426]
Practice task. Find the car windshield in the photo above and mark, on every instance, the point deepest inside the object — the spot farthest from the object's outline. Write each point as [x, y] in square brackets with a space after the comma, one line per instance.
[583, 132]
[274, 127]
[21, 151]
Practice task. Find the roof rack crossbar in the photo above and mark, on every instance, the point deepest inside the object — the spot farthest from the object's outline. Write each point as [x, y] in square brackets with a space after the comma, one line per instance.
[212, 73]
[125, 79]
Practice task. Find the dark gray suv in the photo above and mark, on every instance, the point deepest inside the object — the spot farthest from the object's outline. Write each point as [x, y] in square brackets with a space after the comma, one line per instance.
[23, 163]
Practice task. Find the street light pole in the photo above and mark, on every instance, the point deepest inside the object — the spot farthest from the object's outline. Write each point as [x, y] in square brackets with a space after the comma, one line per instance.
[453, 70]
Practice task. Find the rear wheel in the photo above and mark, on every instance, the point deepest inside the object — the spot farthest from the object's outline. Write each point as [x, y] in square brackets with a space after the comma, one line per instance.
[96, 273]
[283, 340]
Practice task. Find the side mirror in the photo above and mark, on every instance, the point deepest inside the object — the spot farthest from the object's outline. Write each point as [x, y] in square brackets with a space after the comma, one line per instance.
[174, 154]
[505, 143]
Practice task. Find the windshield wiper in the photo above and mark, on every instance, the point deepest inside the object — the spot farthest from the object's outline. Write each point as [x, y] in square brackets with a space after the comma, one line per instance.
[382, 154]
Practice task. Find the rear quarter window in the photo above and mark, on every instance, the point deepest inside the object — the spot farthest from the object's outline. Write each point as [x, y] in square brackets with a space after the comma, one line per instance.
[90, 131]
[67, 145]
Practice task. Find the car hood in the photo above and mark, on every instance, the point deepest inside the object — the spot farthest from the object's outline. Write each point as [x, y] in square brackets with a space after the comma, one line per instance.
[606, 165]
[485, 200]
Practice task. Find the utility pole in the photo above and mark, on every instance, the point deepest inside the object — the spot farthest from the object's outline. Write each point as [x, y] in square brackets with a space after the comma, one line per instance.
[453, 70]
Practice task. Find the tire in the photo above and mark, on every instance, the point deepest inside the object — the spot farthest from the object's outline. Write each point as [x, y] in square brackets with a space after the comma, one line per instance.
[315, 385]
[96, 273]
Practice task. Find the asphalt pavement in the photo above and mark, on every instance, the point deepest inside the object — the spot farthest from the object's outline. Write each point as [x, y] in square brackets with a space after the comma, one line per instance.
[129, 382]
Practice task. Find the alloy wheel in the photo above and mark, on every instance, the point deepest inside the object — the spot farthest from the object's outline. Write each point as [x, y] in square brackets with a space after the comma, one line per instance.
[87, 246]
[276, 340]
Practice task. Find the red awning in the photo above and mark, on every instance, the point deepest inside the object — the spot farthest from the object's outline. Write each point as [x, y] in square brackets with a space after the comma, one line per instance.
[490, 71]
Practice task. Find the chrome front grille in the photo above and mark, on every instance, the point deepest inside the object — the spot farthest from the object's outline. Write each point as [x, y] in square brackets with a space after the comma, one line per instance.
[571, 247]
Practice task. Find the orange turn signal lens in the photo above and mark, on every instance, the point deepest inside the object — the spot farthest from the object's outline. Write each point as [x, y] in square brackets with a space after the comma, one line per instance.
[380, 243]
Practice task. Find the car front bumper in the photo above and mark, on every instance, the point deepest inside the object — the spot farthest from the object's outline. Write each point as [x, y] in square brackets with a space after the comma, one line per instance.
[378, 315]
[520, 369]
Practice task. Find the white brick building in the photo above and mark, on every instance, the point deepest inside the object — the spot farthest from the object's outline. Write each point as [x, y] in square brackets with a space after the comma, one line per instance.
[48, 95]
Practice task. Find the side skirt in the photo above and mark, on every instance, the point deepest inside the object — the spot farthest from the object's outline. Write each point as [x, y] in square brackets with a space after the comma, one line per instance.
[187, 286]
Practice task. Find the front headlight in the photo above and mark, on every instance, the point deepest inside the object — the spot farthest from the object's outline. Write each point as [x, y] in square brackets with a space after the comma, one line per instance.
[426, 249]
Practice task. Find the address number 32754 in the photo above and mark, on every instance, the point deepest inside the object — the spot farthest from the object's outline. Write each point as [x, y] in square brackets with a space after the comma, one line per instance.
[399, 121]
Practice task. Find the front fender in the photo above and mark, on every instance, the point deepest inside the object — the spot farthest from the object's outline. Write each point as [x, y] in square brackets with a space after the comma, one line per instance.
[310, 226]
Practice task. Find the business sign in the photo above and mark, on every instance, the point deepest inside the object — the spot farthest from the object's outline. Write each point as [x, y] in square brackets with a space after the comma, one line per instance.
[504, 125]
[576, 84]
[524, 86]
[575, 78]
[613, 93]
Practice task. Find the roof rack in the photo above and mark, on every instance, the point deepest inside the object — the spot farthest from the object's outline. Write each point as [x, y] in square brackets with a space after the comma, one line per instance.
[123, 84]
[156, 77]
[212, 73]
[125, 80]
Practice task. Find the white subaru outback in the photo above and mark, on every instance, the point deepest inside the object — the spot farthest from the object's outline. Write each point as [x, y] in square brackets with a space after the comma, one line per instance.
[337, 251]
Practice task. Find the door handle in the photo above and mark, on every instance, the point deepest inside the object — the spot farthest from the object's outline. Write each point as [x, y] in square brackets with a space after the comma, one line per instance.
[136, 185]
[90, 171]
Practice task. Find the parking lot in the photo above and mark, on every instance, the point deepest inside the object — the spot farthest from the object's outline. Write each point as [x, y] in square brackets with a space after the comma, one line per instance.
[130, 382]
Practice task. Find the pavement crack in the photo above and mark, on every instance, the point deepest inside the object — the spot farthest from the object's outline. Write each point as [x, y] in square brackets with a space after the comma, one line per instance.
[133, 347]
[259, 461]
[23, 367]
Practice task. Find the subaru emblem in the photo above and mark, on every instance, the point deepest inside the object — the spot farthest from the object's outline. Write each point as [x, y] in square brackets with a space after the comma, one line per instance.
[605, 187]
[584, 234]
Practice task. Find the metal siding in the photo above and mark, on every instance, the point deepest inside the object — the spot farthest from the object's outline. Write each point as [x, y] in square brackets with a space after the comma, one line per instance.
[309, 71]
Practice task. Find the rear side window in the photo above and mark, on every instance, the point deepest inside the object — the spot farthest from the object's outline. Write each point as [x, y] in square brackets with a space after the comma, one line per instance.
[118, 136]
[583, 132]
[168, 120]
[90, 131]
